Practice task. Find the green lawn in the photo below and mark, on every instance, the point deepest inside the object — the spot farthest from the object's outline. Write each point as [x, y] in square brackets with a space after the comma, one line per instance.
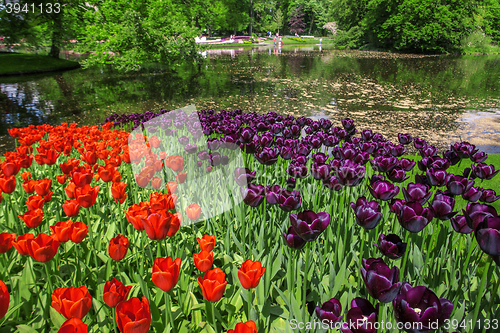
[18, 63]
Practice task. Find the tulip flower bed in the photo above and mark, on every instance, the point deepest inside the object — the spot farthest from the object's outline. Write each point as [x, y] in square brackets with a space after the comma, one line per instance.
[204, 222]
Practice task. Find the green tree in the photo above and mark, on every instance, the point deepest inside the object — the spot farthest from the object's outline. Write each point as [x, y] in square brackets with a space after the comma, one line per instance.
[130, 35]
[278, 20]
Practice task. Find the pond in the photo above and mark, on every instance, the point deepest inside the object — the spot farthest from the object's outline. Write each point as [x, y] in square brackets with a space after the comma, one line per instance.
[440, 98]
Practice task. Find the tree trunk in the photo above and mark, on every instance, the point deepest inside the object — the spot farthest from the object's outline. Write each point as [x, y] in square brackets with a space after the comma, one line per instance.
[56, 35]
[311, 26]
[251, 16]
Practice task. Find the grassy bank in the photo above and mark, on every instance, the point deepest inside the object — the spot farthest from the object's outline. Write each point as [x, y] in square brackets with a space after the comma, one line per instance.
[20, 64]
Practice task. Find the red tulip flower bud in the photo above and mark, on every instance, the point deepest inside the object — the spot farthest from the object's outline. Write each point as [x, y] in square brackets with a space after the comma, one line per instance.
[213, 284]
[79, 232]
[207, 242]
[6, 241]
[73, 325]
[71, 208]
[43, 248]
[4, 299]
[193, 211]
[203, 260]
[21, 244]
[118, 247]
[250, 273]
[62, 230]
[32, 218]
[115, 292]
[166, 273]
[133, 315]
[248, 327]
[72, 302]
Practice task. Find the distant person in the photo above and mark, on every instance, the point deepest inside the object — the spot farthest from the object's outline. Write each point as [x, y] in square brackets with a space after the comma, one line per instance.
[281, 42]
[320, 40]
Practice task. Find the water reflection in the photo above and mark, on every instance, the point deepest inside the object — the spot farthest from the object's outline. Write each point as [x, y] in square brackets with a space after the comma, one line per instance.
[441, 99]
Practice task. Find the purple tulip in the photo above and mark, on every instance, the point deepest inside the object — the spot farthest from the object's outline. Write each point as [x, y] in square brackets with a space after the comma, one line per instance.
[286, 152]
[289, 200]
[272, 193]
[244, 176]
[376, 178]
[397, 175]
[332, 183]
[329, 311]
[464, 149]
[348, 124]
[361, 318]
[398, 150]
[396, 205]
[420, 307]
[479, 157]
[442, 206]
[458, 185]
[384, 163]
[428, 151]
[475, 213]
[406, 164]
[369, 147]
[404, 139]
[473, 194]
[267, 155]
[348, 153]
[437, 163]
[362, 158]
[319, 158]
[391, 246]
[320, 171]
[383, 190]
[452, 156]
[331, 140]
[484, 171]
[417, 192]
[297, 170]
[253, 195]
[437, 177]
[368, 214]
[266, 140]
[459, 224]
[290, 183]
[413, 217]
[366, 135]
[296, 158]
[381, 281]
[309, 225]
[349, 173]
[489, 196]
[249, 148]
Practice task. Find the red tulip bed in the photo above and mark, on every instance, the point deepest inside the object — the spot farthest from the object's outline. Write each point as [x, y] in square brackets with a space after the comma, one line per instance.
[214, 222]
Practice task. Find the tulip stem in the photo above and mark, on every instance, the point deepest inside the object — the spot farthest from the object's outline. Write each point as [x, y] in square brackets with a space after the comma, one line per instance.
[304, 282]
[482, 287]
[403, 266]
[51, 289]
[168, 312]
[113, 315]
[210, 311]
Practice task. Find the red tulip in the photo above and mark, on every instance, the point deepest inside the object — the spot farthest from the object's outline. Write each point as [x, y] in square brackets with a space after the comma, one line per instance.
[248, 327]
[79, 232]
[193, 211]
[89, 157]
[26, 175]
[42, 186]
[203, 260]
[181, 177]
[207, 242]
[61, 179]
[10, 168]
[159, 226]
[43, 248]
[21, 244]
[62, 230]
[133, 316]
[32, 218]
[118, 247]
[6, 241]
[136, 213]
[4, 299]
[213, 284]
[72, 302]
[35, 202]
[73, 325]
[29, 186]
[118, 192]
[172, 187]
[86, 195]
[115, 292]
[71, 208]
[81, 176]
[106, 173]
[250, 273]
[70, 190]
[166, 273]
[8, 184]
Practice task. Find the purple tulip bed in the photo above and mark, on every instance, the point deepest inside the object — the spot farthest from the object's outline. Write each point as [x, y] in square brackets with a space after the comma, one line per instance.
[357, 233]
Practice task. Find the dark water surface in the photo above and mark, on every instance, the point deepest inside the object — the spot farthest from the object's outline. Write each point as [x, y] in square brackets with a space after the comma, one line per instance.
[441, 98]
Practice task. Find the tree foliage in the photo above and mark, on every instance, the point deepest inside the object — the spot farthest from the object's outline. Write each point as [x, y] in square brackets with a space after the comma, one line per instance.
[296, 21]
